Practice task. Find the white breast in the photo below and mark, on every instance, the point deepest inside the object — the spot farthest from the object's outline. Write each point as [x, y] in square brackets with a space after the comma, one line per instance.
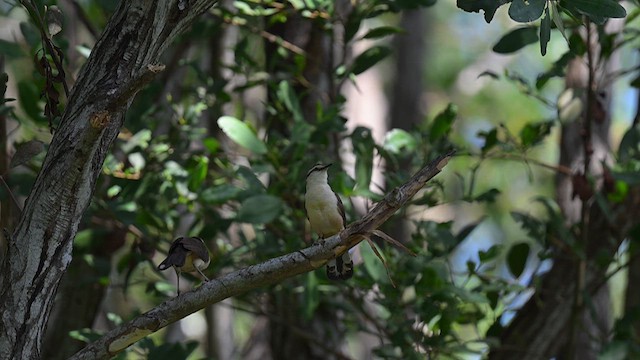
[322, 210]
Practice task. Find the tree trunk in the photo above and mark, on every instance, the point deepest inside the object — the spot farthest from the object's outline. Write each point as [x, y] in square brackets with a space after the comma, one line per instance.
[407, 106]
[39, 250]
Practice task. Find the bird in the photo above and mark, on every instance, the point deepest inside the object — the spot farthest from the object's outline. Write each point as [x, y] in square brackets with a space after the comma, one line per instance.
[188, 255]
[325, 212]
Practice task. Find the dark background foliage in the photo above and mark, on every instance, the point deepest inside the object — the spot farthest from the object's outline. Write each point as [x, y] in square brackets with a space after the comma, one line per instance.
[255, 93]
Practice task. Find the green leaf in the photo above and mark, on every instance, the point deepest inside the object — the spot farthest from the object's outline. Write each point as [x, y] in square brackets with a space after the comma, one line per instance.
[526, 10]
[488, 6]
[600, 8]
[140, 139]
[618, 349]
[443, 122]
[169, 351]
[535, 228]
[29, 96]
[212, 144]
[382, 32]
[198, 173]
[288, 97]
[517, 258]
[114, 190]
[414, 4]
[10, 50]
[241, 134]
[220, 194]
[533, 133]
[369, 58]
[30, 33]
[490, 74]
[516, 40]
[372, 264]
[353, 24]
[557, 18]
[488, 196]
[259, 209]
[85, 335]
[557, 70]
[255, 186]
[467, 230]
[398, 140]
[363, 148]
[312, 295]
[630, 145]
[545, 32]
[490, 139]
[489, 254]
[631, 178]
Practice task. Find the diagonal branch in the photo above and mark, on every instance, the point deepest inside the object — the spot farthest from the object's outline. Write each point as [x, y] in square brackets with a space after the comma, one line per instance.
[269, 272]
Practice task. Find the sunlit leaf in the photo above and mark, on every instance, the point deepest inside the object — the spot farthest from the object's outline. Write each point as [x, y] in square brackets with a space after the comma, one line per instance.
[241, 134]
[398, 140]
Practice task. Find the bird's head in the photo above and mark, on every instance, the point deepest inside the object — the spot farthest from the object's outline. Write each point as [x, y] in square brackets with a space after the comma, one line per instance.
[318, 171]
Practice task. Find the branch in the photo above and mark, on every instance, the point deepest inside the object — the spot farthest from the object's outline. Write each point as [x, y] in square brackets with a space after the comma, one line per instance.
[267, 273]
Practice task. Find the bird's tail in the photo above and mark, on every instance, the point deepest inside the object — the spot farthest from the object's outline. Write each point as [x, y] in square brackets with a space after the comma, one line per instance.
[340, 268]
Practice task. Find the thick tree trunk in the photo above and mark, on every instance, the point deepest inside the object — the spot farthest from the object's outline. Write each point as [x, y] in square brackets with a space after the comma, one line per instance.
[125, 58]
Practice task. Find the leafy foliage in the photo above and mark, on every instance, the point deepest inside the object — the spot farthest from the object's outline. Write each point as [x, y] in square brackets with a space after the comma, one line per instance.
[202, 154]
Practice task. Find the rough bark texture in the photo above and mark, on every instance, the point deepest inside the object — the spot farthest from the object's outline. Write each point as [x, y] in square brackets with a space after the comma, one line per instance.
[125, 58]
[260, 275]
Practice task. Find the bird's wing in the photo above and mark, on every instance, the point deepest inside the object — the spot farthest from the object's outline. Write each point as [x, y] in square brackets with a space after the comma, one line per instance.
[341, 210]
[197, 246]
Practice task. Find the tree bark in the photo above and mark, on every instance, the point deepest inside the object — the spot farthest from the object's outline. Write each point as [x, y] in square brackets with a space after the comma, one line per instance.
[39, 250]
